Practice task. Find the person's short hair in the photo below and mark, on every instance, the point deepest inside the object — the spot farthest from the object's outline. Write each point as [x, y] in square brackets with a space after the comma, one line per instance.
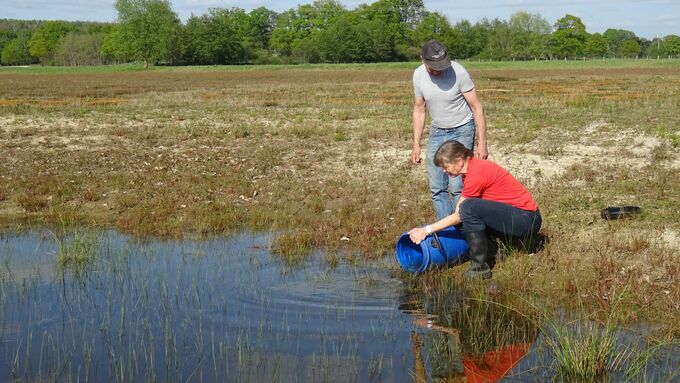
[435, 55]
[450, 151]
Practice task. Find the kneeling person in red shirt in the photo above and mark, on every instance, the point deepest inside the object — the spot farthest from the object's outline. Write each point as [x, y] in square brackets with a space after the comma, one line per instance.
[492, 201]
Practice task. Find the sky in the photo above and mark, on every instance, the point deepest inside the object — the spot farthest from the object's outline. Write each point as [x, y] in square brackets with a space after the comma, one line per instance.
[646, 18]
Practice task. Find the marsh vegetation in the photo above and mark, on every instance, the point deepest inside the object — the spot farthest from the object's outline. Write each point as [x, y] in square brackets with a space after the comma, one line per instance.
[319, 156]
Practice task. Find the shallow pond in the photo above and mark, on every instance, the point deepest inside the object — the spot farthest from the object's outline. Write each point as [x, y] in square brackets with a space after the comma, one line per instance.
[223, 309]
[213, 310]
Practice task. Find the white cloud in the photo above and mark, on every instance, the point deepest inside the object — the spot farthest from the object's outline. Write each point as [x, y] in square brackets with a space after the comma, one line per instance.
[666, 18]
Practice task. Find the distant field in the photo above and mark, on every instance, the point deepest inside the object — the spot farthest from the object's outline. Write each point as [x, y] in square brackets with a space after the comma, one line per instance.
[472, 64]
[319, 153]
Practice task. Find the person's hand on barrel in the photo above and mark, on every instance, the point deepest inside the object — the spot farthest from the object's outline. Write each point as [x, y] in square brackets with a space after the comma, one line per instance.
[418, 234]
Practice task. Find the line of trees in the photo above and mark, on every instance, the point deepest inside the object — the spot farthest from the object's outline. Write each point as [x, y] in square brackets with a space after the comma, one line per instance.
[25, 42]
[324, 31]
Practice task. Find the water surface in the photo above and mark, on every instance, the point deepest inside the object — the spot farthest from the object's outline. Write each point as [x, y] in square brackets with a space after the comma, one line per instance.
[223, 309]
[227, 309]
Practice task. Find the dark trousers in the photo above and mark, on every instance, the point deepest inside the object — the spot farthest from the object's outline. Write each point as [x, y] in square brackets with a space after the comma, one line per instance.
[499, 219]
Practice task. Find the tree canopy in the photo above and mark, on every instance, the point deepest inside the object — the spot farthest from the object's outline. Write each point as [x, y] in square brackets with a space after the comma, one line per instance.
[149, 29]
[45, 39]
[569, 37]
[15, 51]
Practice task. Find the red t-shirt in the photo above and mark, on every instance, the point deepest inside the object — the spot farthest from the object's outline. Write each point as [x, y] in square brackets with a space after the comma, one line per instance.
[487, 180]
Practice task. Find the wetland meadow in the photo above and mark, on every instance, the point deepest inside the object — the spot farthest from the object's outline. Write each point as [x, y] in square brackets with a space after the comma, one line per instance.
[239, 223]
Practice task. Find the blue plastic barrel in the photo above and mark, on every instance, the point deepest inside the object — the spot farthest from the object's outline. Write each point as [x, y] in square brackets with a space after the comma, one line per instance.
[448, 246]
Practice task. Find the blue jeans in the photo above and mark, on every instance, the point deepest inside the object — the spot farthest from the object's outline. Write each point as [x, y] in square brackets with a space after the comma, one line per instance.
[503, 219]
[440, 182]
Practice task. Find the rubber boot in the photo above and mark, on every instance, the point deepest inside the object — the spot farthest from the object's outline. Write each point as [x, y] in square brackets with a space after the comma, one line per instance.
[492, 251]
[479, 254]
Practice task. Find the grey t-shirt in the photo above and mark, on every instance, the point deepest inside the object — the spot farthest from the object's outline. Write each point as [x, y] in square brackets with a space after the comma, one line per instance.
[444, 95]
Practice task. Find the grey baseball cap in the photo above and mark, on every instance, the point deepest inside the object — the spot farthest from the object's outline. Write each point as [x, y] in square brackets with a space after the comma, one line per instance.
[434, 54]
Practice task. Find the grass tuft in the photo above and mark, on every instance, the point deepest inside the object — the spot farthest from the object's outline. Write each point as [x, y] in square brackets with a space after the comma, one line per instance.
[583, 351]
[294, 246]
[77, 250]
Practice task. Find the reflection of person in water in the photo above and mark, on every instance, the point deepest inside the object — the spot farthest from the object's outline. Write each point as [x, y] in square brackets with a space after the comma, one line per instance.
[438, 355]
[443, 350]
[446, 344]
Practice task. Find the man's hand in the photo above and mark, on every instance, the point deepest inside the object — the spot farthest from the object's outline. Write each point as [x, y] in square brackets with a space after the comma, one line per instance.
[415, 155]
[481, 151]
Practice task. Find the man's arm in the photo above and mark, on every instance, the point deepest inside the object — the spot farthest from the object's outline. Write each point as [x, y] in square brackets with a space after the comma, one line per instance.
[419, 110]
[481, 150]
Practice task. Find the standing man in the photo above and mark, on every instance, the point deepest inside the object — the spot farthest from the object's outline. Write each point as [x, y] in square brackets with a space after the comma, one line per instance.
[446, 89]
